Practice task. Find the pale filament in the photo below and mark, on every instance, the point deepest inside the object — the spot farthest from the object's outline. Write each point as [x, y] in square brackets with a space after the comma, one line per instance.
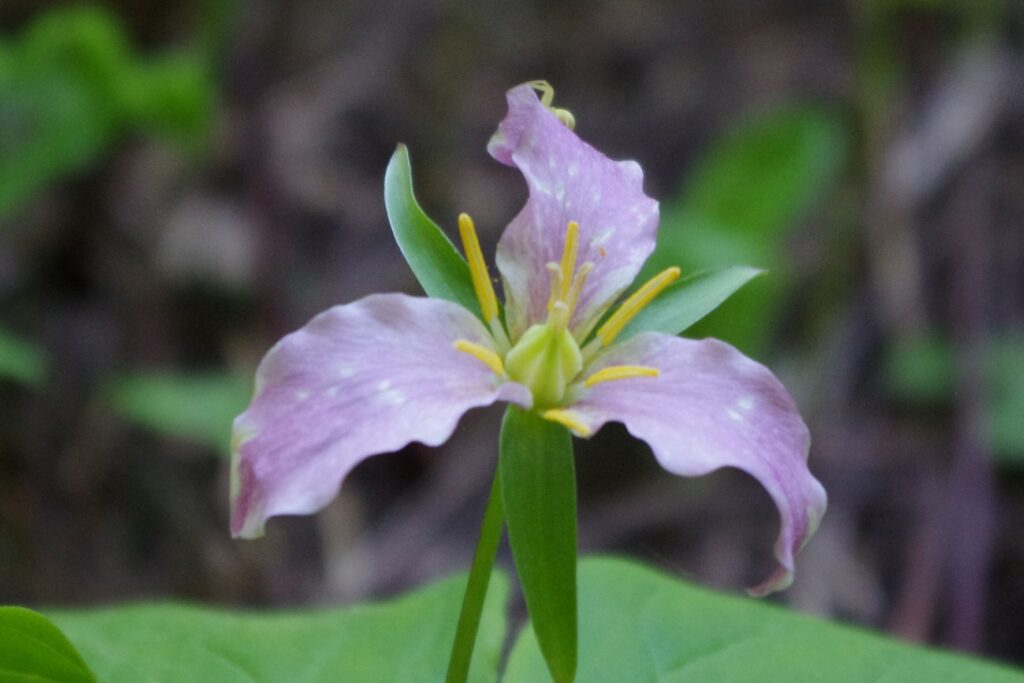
[566, 279]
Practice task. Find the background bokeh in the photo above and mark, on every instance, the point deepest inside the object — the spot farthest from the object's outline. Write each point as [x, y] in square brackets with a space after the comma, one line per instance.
[183, 183]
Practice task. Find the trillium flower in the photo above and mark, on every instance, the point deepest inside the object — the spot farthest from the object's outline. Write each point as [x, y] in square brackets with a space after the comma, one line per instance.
[373, 376]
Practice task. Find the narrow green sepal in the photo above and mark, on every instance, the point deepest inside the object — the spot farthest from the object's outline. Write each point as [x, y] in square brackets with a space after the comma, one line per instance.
[538, 484]
[436, 263]
[688, 301]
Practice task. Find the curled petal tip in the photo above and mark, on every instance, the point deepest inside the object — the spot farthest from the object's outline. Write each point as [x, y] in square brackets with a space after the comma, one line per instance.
[247, 519]
[712, 407]
[781, 579]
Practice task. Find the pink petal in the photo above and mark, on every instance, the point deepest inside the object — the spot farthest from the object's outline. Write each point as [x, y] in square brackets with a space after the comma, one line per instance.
[713, 407]
[361, 379]
[568, 180]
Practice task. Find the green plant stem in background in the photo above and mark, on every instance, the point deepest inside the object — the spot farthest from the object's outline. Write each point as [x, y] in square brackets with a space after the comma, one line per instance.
[476, 585]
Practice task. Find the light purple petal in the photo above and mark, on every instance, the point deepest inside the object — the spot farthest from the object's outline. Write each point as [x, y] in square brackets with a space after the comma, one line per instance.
[713, 407]
[361, 379]
[568, 180]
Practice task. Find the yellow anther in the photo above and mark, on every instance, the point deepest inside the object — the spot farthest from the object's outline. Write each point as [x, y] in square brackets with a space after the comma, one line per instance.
[620, 372]
[572, 240]
[635, 303]
[573, 295]
[482, 354]
[547, 96]
[547, 93]
[478, 268]
[566, 117]
[569, 419]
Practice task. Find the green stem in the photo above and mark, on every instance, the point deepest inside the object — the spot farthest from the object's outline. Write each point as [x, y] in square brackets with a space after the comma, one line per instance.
[476, 586]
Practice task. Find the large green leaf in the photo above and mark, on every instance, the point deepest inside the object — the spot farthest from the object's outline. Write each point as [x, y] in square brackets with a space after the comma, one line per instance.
[437, 265]
[538, 483]
[21, 361]
[687, 301]
[195, 407]
[640, 625]
[403, 640]
[33, 650]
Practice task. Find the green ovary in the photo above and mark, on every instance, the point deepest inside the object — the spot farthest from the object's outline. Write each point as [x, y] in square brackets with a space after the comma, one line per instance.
[545, 359]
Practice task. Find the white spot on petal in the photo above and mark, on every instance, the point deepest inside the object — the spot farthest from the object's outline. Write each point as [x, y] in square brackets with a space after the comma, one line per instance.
[346, 371]
[301, 395]
[383, 385]
[745, 403]
[601, 237]
[392, 397]
[734, 415]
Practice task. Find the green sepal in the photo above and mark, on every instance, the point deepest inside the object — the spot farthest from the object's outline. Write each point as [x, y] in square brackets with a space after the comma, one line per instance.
[689, 300]
[437, 265]
[538, 484]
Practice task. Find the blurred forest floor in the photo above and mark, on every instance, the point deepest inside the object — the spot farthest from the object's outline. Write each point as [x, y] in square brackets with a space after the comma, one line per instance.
[182, 184]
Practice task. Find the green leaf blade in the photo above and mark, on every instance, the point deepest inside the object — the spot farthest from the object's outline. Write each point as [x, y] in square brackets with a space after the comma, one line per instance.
[689, 300]
[434, 260]
[34, 649]
[641, 625]
[539, 491]
[404, 640]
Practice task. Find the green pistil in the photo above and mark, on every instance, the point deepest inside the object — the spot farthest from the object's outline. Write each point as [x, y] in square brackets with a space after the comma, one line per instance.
[545, 360]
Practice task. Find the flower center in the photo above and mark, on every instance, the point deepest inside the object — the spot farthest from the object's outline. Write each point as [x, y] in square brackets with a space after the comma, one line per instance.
[546, 359]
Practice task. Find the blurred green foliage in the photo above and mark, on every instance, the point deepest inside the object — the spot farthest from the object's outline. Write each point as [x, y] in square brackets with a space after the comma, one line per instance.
[21, 361]
[198, 407]
[919, 371]
[740, 206]
[71, 85]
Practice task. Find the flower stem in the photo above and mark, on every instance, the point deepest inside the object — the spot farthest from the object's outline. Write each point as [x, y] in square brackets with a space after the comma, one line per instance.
[476, 586]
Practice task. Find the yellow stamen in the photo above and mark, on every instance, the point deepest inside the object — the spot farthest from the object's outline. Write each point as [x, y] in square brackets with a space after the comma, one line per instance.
[547, 96]
[635, 303]
[573, 295]
[547, 93]
[569, 419]
[572, 239]
[482, 354]
[478, 268]
[620, 372]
